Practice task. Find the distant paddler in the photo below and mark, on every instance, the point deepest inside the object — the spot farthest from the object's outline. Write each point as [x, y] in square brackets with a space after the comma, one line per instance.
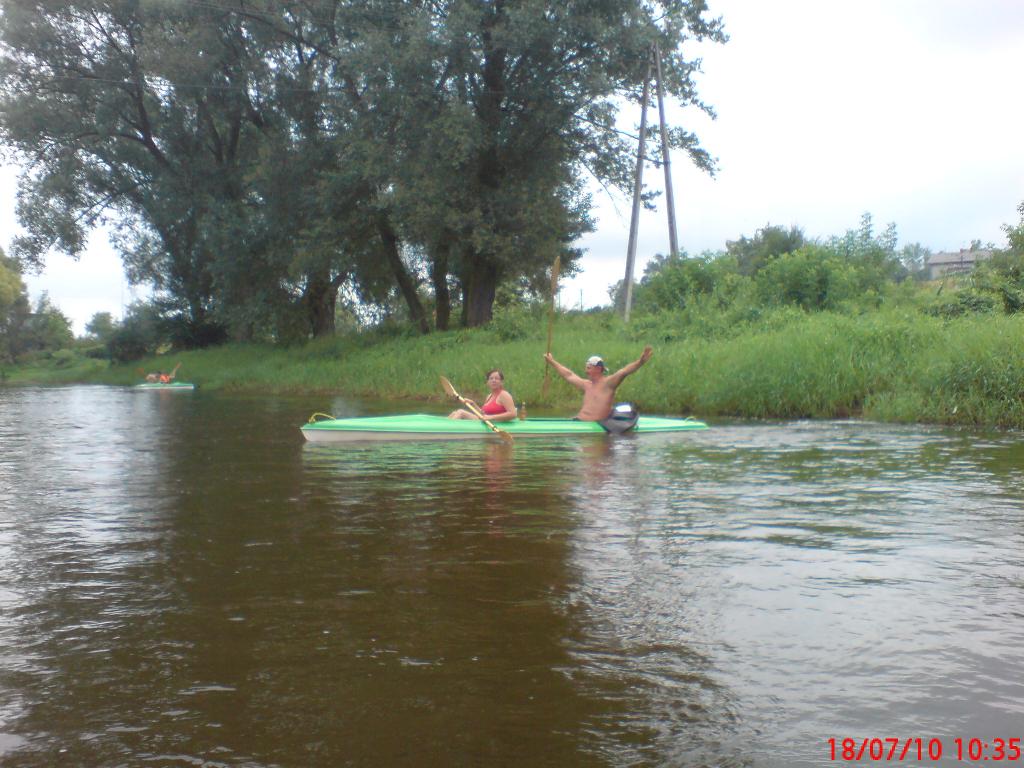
[163, 378]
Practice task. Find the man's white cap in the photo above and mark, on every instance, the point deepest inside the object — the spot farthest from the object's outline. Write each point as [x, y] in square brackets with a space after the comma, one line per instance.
[595, 360]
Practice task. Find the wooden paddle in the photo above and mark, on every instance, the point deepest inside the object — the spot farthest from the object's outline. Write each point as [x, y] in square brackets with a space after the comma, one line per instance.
[476, 411]
[175, 371]
[551, 323]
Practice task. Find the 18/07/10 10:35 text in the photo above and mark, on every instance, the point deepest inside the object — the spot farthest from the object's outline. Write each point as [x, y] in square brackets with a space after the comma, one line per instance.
[918, 749]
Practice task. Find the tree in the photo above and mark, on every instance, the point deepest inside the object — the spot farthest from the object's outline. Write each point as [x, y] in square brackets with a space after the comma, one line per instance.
[138, 114]
[1015, 234]
[138, 335]
[14, 306]
[257, 156]
[813, 277]
[508, 106]
[875, 256]
[769, 242]
[101, 327]
[914, 258]
[45, 328]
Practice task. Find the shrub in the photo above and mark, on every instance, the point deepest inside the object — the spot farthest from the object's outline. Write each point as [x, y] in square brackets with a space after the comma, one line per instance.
[964, 303]
[812, 278]
[518, 322]
[64, 358]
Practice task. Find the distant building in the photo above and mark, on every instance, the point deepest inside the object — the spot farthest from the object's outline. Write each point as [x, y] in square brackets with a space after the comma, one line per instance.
[955, 263]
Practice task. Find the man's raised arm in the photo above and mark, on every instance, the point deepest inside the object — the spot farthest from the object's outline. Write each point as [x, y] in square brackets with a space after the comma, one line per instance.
[616, 378]
[564, 372]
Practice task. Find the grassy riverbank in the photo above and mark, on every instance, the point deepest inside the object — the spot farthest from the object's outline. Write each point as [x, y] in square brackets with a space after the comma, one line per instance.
[886, 365]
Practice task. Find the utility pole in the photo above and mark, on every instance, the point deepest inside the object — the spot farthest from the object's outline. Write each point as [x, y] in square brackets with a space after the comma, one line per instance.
[673, 243]
[637, 188]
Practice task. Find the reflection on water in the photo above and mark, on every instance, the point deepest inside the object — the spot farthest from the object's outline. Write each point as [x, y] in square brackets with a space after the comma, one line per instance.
[183, 581]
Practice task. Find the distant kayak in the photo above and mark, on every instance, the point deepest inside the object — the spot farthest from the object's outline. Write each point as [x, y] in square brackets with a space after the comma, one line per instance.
[180, 385]
[419, 426]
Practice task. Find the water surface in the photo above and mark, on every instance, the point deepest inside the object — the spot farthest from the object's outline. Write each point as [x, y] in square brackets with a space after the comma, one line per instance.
[184, 582]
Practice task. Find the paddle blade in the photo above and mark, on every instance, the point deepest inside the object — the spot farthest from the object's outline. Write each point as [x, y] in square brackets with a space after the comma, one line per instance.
[449, 388]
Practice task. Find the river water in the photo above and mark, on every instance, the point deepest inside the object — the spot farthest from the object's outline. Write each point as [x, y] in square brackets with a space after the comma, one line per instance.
[185, 582]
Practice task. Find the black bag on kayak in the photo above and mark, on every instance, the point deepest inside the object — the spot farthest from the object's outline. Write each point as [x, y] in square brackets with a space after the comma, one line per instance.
[623, 418]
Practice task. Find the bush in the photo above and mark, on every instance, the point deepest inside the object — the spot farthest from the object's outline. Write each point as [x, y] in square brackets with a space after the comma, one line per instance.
[64, 358]
[673, 283]
[812, 278]
[967, 302]
[130, 343]
[519, 322]
[95, 351]
[184, 333]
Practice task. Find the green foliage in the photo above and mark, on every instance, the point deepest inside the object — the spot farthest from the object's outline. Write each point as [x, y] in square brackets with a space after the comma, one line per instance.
[255, 164]
[519, 322]
[101, 327]
[141, 333]
[14, 306]
[914, 258]
[769, 242]
[874, 256]
[1002, 279]
[812, 278]
[1015, 234]
[962, 303]
[672, 282]
[892, 364]
[775, 268]
[45, 329]
[65, 358]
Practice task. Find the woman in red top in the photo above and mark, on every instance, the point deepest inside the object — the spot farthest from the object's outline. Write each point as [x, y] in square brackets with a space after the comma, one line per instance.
[499, 405]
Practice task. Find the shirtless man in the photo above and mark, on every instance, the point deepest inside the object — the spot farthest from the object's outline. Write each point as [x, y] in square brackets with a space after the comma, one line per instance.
[598, 388]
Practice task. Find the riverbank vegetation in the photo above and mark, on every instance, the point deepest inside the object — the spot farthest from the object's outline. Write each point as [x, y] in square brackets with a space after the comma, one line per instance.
[337, 199]
[891, 365]
[262, 164]
[827, 329]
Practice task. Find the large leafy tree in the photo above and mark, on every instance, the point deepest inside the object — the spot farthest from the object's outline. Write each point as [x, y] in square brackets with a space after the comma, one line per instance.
[259, 154]
[200, 131]
[506, 107]
[129, 113]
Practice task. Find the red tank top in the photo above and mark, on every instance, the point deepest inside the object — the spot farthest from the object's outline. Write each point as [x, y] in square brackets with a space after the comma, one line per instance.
[492, 407]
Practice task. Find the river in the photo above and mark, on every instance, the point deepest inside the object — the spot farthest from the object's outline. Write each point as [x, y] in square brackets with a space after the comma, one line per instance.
[185, 582]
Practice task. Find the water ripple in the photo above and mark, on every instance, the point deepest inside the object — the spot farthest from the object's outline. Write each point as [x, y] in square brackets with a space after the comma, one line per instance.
[183, 581]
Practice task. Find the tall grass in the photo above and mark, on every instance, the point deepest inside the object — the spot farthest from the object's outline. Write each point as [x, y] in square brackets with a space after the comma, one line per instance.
[891, 365]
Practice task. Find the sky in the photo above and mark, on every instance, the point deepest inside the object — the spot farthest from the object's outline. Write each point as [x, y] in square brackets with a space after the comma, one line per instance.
[826, 109]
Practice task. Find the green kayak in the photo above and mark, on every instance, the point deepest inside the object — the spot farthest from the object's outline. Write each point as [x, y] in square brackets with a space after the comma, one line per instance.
[176, 385]
[419, 426]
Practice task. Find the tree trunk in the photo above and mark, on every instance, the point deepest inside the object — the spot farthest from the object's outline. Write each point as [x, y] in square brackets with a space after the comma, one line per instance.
[439, 279]
[405, 282]
[320, 298]
[479, 283]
